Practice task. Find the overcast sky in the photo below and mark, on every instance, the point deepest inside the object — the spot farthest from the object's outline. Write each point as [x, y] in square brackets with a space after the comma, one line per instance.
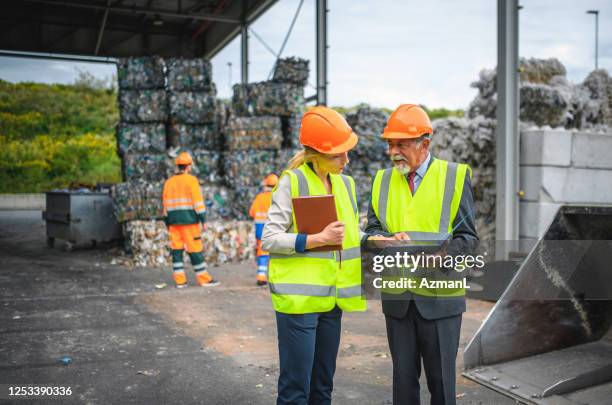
[387, 52]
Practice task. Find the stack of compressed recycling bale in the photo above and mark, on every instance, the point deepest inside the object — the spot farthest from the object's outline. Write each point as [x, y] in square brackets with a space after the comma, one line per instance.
[148, 167]
[267, 98]
[137, 199]
[133, 139]
[147, 242]
[291, 130]
[295, 71]
[194, 111]
[370, 154]
[224, 241]
[218, 199]
[205, 165]
[244, 171]
[265, 124]
[253, 133]
[547, 99]
[229, 241]
[471, 141]
[598, 87]
[141, 138]
[194, 136]
[292, 70]
[196, 120]
[167, 107]
[143, 109]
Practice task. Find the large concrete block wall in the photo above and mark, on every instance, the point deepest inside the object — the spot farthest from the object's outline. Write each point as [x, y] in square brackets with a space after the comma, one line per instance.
[557, 167]
[22, 202]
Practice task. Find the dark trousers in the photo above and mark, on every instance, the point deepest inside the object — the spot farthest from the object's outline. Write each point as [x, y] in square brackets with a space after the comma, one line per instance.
[308, 347]
[436, 341]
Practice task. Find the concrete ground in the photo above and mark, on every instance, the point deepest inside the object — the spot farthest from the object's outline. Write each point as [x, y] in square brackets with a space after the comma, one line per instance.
[131, 342]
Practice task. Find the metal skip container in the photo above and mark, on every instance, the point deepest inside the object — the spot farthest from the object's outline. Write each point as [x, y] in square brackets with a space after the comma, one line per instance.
[77, 217]
[548, 340]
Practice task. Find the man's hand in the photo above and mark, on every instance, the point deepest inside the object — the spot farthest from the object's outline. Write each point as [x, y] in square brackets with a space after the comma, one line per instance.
[401, 236]
[379, 237]
[379, 241]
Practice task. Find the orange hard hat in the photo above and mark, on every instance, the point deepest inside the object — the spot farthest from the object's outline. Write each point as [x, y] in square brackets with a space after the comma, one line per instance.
[184, 158]
[326, 131]
[407, 121]
[271, 180]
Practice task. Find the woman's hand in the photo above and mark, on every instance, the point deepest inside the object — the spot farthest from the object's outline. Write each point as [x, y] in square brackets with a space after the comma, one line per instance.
[333, 234]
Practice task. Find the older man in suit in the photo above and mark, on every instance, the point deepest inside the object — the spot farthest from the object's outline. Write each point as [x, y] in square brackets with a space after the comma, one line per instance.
[421, 198]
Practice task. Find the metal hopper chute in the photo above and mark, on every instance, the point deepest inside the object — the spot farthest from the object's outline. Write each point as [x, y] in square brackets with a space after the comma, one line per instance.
[548, 340]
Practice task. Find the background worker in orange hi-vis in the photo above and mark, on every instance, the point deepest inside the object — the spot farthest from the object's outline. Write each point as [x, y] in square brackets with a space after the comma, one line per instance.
[259, 212]
[185, 214]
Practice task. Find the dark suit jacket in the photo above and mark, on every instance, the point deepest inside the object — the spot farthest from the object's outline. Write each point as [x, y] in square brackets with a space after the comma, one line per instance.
[465, 229]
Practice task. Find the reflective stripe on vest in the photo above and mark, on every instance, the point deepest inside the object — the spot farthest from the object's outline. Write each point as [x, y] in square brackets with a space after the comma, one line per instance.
[345, 254]
[178, 200]
[350, 292]
[315, 290]
[303, 289]
[179, 208]
[347, 183]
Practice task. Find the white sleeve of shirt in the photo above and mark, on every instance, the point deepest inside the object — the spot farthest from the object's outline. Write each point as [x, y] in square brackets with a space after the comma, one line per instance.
[276, 237]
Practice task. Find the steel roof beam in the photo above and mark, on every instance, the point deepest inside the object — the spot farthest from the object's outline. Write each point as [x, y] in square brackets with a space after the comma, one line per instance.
[129, 10]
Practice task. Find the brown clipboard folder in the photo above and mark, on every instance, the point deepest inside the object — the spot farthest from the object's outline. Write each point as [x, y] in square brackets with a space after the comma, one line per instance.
[313, 214]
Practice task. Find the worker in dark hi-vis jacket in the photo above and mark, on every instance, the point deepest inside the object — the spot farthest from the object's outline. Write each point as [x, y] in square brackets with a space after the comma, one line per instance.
[184, 214]
[421, 198]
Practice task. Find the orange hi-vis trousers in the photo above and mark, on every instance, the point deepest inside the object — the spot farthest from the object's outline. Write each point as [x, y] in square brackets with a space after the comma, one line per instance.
[188, 237]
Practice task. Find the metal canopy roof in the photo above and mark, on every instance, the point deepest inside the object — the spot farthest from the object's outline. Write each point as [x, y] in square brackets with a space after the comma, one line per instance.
[118, 28]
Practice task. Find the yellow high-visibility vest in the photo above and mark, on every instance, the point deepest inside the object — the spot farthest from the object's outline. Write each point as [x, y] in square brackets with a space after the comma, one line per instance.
[428, 215]
[317, 281]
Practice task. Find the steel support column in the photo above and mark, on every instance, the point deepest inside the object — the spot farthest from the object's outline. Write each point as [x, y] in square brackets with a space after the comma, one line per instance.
[507, 199]
[321, 52]
[244, 54]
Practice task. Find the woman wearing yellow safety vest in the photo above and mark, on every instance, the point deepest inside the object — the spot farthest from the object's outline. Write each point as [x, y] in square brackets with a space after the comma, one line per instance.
[311, 289]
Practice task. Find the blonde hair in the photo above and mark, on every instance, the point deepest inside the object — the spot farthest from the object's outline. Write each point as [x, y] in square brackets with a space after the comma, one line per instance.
[303, 156]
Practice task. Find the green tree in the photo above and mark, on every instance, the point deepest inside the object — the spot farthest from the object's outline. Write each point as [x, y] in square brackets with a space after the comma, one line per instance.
[437, 113]
[55, 135]
[30, 109]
